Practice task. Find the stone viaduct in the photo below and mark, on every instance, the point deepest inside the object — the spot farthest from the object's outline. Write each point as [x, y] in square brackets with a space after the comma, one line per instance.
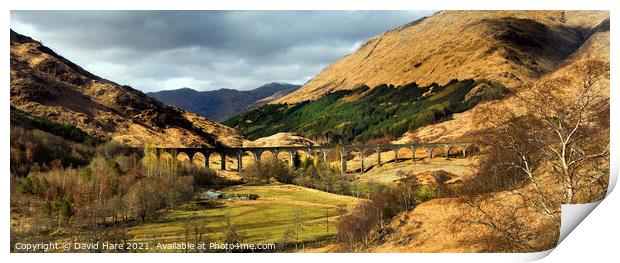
[314, 152]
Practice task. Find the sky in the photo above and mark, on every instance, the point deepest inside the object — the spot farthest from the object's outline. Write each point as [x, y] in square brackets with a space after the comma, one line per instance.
[206, 50]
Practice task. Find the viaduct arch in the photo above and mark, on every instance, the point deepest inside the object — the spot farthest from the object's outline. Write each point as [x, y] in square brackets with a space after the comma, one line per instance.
[201, 156]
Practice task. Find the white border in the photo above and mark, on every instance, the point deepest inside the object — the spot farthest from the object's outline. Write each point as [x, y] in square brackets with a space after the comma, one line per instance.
[596, 240]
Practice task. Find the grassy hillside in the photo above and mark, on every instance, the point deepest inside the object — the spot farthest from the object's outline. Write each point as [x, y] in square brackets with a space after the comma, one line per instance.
[363, 114]
[45, 84]
[510, 47]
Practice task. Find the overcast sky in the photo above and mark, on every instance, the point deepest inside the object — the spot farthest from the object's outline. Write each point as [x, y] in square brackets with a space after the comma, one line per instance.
[206, 50]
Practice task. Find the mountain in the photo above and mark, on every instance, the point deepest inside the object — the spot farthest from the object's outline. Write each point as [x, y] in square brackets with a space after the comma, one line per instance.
[507, 47]
[223, 103]
[46, 85]
[363, 114]
[595, 46]
[458, 58]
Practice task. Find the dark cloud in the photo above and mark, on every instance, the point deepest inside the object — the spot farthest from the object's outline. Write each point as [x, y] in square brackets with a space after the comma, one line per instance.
[155, 50]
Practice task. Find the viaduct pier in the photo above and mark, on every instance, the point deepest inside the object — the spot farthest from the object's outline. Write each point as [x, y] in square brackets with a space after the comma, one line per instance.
[314, 152]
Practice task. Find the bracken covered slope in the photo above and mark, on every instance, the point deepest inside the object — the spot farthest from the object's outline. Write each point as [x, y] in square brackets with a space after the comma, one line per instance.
[595, 46]
[47, 85]
[507, 47]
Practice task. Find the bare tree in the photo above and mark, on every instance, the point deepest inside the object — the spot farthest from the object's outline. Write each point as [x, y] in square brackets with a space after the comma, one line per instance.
[298, 221]
[574, 112]
[554, 151]
[143, 199]
[231, 235]
[327, 220]
[505, 224]
[513, 158]
[287, 236]
[565, 126]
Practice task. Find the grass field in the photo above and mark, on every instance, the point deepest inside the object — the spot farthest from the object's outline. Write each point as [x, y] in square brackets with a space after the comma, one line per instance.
[257, 221]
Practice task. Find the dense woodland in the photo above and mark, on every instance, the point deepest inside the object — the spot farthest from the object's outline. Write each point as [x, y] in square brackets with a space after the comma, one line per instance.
[363, 114]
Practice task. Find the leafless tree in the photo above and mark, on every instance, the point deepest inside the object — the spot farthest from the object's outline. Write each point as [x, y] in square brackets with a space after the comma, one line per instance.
[545, 155]
[287, 235]
[574, 112]
[298, 221]
[327, 220]
[231, 235]
[502, 225]
[143, 199]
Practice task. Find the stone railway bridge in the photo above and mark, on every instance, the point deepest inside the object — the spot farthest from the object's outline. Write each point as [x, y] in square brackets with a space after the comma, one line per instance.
[314, 152]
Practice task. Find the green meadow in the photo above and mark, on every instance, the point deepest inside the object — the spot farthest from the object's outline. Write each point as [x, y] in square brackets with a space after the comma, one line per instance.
[278, 210]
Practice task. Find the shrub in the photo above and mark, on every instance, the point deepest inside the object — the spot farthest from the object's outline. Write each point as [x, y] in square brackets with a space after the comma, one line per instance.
[384, 205]
[47, 208]
[305, 163]
[111, 149]
[64, 206]
[424, 193]
[262, 172]
[32, 185]
[203, 176]
[324, 178]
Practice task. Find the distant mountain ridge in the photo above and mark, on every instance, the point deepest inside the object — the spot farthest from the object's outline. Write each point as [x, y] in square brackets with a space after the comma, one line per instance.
[221, 104]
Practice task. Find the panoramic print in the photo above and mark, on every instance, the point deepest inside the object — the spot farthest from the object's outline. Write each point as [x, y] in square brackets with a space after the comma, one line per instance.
[304, 131]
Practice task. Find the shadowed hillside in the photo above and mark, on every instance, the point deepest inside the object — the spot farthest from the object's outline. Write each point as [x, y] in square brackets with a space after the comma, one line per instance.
[47, 85]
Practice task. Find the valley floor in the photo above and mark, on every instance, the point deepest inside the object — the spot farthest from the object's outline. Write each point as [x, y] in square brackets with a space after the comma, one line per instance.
[280, 209]
[273, 214]
[305, 220]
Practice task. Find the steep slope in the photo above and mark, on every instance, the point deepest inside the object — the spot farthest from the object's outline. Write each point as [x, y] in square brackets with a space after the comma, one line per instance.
[507, 47]
[221, 104]
[596, 46]
[452, 225]
[426, 230]
[47, 85]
